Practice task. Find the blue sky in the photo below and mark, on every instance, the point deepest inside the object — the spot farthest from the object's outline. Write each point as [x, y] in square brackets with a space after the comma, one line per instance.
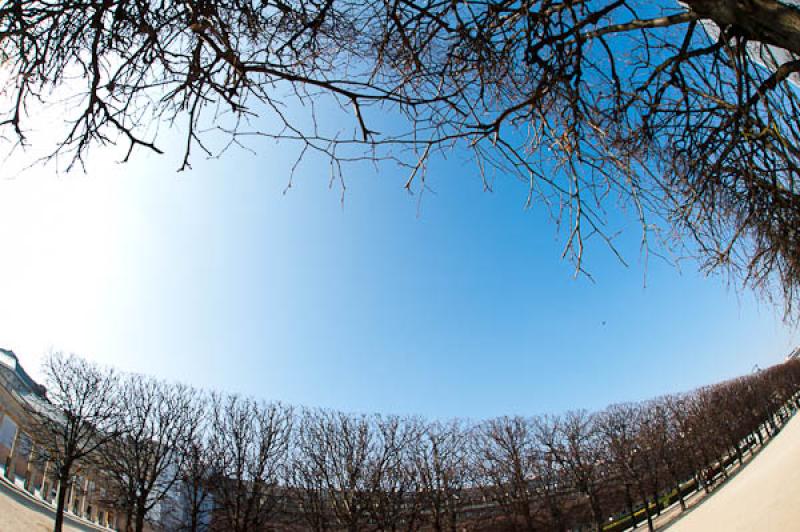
[458, 306]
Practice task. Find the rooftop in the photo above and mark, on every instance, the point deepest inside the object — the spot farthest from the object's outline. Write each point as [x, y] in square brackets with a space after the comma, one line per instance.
[9, 365]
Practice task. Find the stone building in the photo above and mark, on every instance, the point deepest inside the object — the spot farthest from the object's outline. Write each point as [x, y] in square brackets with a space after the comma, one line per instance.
[23, 467]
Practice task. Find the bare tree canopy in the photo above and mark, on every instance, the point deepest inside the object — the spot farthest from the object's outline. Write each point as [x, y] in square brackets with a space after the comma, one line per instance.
[81, 416]
[687, 113]
[147, 461]
[249, 451]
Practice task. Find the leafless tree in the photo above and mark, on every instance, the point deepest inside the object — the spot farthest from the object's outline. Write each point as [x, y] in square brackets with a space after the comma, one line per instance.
[196, 479]
[686, 113]
[661, 433]
[554, 484]
[505, 458]
[355, 472]
[249, 451]
[440, 458]
[145, 463]
[734, 420]
[574, 443]
[619, 426]
[80, 417]
[332, 469]
[393, 476]
[654, 477]
[690, 438]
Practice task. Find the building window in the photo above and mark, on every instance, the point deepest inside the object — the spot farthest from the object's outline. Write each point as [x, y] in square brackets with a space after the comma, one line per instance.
[24, 446]
[8, 430]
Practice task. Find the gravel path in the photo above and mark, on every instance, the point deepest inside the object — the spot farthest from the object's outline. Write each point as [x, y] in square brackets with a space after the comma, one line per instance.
[763, 497]
[20, 514]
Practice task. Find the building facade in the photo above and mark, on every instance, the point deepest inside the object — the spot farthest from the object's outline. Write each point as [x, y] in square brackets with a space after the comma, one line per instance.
[27, 470]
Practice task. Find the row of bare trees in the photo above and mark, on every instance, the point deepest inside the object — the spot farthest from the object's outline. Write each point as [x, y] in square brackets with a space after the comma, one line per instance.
[176, 458]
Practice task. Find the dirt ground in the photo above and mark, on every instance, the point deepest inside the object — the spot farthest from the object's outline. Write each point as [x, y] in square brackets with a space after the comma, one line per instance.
[763, 497]
[18, 514]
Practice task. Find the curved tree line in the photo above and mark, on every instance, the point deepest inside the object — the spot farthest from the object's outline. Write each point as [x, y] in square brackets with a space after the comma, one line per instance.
[177, 458]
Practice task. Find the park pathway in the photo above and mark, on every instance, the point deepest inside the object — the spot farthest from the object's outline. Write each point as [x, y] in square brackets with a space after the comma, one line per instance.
[763, 497]
[20, 513]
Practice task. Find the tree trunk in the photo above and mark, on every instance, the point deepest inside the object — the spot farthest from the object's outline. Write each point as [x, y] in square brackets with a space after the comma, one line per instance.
[528, 517]
[680, 496]
[453, 518]
[766, 21]
[629, 504]
[649, 516]
[557, 516]
[140, 511]
[657, 500]
[61, 498]
[596, 513]
[193, 522]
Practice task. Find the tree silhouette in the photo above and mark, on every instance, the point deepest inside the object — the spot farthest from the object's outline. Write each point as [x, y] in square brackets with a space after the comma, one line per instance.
[80, 416]
[685, 113]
